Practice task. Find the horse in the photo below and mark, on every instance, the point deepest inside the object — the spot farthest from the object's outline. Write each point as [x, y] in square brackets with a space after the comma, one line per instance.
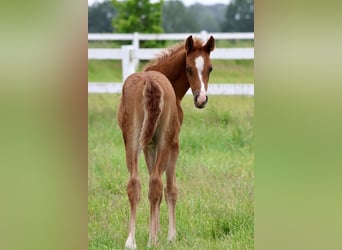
[150, 117]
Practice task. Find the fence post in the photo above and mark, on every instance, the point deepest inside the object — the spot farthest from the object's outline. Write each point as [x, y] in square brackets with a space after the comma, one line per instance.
[127, 61]
[136, 46]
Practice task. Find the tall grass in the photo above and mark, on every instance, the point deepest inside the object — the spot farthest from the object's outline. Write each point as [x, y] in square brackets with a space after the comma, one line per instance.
[214, 178]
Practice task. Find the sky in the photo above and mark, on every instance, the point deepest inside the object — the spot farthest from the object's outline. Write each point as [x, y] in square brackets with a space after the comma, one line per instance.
[186, 2]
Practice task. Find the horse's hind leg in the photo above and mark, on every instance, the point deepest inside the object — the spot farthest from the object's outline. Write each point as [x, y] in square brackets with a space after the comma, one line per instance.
[155, 193]
[133, 191]
[150, 159]
[171, 192]
[150, 156]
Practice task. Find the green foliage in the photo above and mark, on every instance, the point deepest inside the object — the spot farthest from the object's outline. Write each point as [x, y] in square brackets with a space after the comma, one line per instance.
[100, 17]
[171, 24]
[205, 17]
[195, 18]
[139, 16]
[171, 16]
[239, 16]
[214, 177]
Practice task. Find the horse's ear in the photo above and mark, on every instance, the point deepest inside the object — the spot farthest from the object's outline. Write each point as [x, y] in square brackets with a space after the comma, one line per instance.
[210, 45]
[189, 44]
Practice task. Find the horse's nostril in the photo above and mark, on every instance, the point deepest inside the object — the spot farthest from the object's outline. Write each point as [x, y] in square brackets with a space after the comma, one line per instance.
[200, 105]
[195, 100]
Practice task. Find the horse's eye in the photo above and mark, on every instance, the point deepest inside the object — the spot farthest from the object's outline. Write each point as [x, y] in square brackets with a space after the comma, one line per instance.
[188, 69]
[210, 68]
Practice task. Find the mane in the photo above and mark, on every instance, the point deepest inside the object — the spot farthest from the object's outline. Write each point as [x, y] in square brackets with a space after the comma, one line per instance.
[169, 52]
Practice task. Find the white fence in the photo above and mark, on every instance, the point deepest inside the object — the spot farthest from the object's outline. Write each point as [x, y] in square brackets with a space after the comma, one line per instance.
[131, 54]
[136, 37]
[214, 89]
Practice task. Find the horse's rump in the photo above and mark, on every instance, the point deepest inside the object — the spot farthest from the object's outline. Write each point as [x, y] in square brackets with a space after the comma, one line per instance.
[148, 102]
[153, 105]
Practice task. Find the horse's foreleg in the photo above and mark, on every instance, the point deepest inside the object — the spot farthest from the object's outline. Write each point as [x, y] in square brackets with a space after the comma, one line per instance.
[171, 193]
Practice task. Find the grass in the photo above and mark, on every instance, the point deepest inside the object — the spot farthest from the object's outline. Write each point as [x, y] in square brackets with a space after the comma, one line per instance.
[214, 177]
[225, 71]
[104, 71]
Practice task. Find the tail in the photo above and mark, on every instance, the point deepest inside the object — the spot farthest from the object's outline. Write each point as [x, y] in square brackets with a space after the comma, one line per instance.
[153, 104]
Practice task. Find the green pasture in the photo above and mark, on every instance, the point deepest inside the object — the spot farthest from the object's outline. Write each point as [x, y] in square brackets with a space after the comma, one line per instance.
[225, 71]
[214, 177]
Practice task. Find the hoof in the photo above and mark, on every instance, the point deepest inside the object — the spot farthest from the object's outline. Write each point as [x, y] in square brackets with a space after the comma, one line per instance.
[130, 243]
[171, 238]
[152, 243]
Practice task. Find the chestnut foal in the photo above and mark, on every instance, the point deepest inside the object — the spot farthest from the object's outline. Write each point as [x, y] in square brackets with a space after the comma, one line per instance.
[150, 117]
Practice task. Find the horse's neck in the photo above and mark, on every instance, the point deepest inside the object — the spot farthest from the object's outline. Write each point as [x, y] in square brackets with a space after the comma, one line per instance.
[181, 86]
[175, 72]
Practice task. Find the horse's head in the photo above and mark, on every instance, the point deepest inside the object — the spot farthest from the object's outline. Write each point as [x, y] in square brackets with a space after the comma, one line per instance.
[198, 68]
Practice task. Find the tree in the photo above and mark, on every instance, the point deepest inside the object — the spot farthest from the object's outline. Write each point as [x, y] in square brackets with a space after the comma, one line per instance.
[195, 18]
[139, 16]
[204, 21]
[100, 17]
[239, 16]
[174, 13]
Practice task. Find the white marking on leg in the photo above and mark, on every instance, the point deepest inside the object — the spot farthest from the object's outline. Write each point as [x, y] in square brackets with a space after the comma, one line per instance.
[130, 242]
[199, 62]
[172, 224]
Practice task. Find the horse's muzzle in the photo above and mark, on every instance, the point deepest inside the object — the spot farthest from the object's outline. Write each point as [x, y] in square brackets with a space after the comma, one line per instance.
[200, 103]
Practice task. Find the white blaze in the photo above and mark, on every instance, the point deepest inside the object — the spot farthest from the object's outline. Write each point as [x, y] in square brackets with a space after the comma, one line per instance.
[199, 62]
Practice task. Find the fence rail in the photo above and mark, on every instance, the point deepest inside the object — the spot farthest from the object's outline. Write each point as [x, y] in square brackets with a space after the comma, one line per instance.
[147, 54]
[135, 37]
[131, 54]
[214, 89]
